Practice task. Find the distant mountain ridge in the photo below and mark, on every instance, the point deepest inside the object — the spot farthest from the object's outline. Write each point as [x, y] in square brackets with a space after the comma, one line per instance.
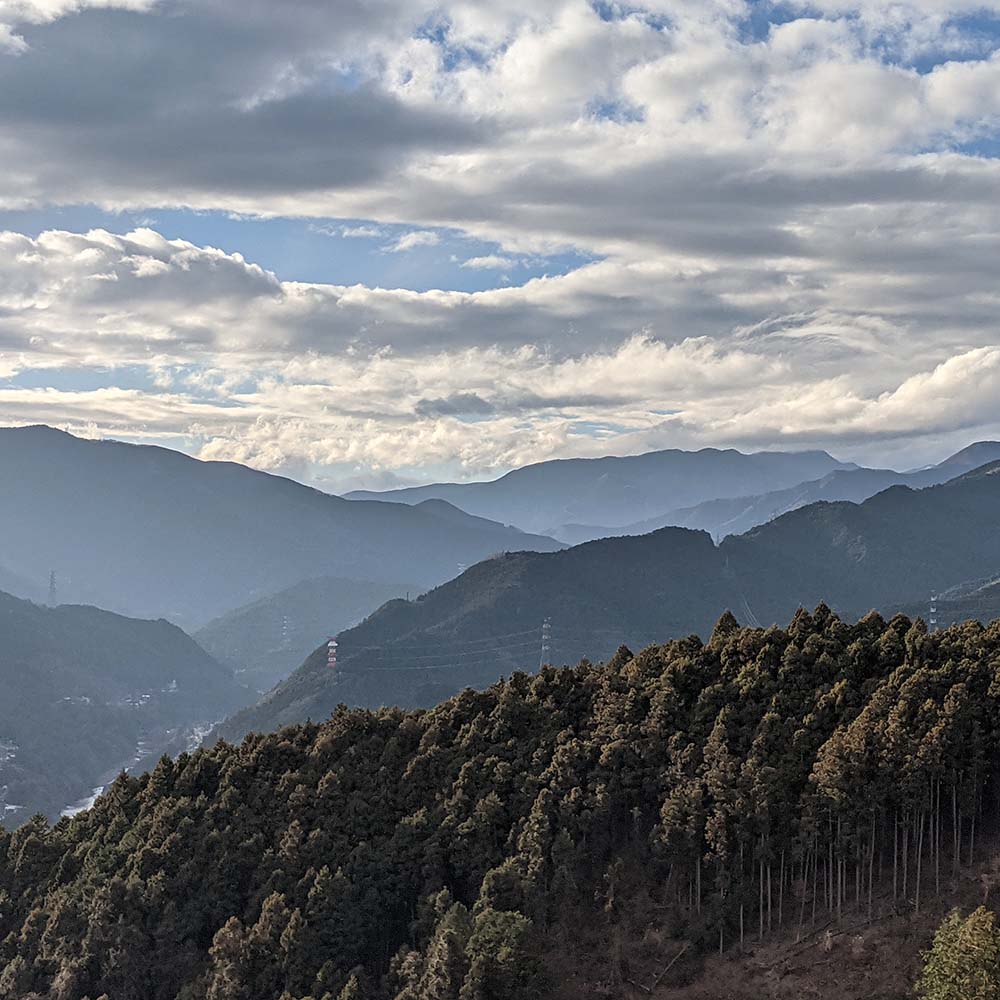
[734, 516]
[619, 490]
[266, 640]
[896, 547]
[150, 532]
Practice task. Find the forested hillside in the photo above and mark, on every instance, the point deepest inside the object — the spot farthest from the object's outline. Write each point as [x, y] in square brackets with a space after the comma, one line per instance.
[562, 835]
[82, 687]
[892, 551]
[489, 622]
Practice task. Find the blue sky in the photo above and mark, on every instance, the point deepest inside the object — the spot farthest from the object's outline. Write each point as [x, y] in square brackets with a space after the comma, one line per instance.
[315, 249]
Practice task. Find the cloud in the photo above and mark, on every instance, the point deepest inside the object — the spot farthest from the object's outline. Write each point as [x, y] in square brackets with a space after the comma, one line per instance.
[491, 262]
[360, 232]
[410, 241]
[351, 378]
[793, 229]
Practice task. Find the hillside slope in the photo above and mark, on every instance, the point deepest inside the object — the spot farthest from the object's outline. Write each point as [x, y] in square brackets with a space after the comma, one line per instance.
[779, 796]
[488, 622]
[264, 641]
[894, 549]
[149, 532]
[900, 545]
[618, 491]
[81, 687]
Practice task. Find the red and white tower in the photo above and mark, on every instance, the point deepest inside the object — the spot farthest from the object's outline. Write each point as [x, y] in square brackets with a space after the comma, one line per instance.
[331, 654]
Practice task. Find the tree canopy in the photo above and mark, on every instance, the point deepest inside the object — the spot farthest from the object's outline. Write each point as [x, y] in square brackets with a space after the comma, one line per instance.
[708, 793]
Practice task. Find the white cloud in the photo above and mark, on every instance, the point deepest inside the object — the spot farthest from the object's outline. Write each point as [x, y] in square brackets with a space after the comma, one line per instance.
[491, 262]
[410, 241]
[360, 232]
[350, 377]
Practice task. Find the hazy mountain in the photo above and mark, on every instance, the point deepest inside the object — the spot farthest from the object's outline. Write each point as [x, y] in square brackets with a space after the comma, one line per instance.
[82, 687]
[736, 515]
[151, 532]
[266, 640]
[618, 491]
[895, 547]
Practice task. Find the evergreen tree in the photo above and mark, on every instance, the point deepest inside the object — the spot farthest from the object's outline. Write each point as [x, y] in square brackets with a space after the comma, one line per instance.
[964, 960]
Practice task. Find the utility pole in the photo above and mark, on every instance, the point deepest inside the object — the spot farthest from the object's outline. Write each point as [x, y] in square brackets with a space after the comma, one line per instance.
[52, 589]
[546, 642]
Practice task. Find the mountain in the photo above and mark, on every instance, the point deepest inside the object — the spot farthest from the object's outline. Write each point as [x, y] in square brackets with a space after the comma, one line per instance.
[898, 546]
[266, 640]
[767, 814]
[973, 457]
[489, 620]
[83, 687]
[150, 532]
[902, 544]
[618, 491]
[736, 515]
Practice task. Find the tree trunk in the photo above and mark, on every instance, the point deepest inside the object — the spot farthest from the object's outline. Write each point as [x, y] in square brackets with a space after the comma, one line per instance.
[956, 826]
[760, 908]
[906, 855]
[895, 855]
[769, 924]
[698, 891]
[920, 856]
[871, 867]
[937, 838]
[805, 886]
[781, 892]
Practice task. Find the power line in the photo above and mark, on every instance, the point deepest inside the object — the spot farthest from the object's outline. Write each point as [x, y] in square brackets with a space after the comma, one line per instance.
[466, 642]
[475, 654]
[472, 652]
[426, 666]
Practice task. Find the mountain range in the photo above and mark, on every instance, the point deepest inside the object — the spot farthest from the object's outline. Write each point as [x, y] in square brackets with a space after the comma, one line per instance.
[895, 548]
[619, 490]
[736, 515]
[86, 692]
[721, 492]
[149, 532]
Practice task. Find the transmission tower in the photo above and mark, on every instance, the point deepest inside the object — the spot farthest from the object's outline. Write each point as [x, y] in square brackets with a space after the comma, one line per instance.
[546, 642]
[933, 622]
[52, 589]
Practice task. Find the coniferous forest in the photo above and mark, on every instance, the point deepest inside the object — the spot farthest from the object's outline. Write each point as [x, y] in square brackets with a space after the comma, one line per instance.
[705, 795]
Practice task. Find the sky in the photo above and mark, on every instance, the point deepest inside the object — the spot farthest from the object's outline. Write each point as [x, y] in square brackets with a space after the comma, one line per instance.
[381, 242]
